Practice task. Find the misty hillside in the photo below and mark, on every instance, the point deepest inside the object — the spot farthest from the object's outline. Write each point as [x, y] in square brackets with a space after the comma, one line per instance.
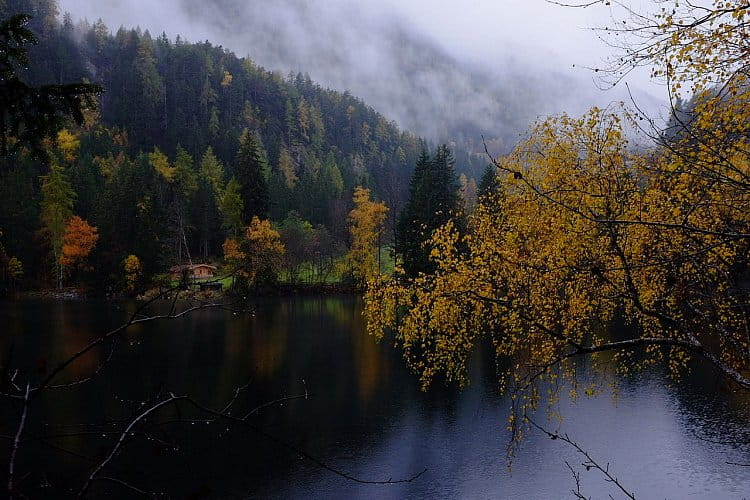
[405, 63]
[401, 72]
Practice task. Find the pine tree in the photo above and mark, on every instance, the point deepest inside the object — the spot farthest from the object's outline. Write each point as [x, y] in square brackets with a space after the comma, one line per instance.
[232, 207]
[208, 198]
[185, 185]
[251, 172]
[489, 183]
[433, 200]
[149, 92]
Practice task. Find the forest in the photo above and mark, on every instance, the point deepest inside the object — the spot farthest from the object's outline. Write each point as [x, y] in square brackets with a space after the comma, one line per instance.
[184, 146]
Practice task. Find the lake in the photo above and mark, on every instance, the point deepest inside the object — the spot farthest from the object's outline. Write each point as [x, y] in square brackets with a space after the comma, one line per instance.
[364, 414]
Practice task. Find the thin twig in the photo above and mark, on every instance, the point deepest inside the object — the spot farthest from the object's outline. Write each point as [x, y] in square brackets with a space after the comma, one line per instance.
[297, 450]
[123, 436]
[590, 462]
[125, 485]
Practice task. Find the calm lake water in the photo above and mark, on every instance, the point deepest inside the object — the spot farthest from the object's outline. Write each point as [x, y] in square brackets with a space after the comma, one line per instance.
[365, 414]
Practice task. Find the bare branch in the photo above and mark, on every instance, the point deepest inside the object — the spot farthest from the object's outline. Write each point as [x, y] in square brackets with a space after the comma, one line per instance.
[125, 485]
[123, 436]
[589, 463]
[16, 441]
[297, 450]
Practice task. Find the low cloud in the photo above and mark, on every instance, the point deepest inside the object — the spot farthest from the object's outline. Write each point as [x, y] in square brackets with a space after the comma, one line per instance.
[444, 70]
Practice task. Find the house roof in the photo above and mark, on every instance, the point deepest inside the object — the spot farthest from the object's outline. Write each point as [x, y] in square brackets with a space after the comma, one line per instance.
[190, 267]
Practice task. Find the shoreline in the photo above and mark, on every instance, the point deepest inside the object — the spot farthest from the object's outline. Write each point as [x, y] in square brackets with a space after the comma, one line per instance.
[279, 290]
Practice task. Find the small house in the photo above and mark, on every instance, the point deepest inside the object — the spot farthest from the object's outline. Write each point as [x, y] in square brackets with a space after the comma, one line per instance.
[193, 271]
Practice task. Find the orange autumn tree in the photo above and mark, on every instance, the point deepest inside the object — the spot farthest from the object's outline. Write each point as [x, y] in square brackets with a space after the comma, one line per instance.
[79, 239]
[233, 257]
[258, 257]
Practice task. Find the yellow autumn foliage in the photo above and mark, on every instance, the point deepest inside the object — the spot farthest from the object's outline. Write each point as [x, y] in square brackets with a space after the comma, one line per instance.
[160, 163]
[133, 271]
[588, 231]
[68, 143]
[584, 232]
[365, 225]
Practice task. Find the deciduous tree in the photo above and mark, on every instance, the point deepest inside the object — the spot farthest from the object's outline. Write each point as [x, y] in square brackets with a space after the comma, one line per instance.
[133, 271]
[264, 252]
[79, 239]
[587, 230]
[366, 222]
[56, 209]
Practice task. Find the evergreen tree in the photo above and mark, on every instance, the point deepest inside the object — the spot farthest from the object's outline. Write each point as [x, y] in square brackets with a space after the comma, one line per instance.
[321, 144]
[489, 183]
[30, 114]
[490, 193]
[232, 207]
[251, 172]
[433, 200]
[184, 187]
[150, 91]
[210, 186]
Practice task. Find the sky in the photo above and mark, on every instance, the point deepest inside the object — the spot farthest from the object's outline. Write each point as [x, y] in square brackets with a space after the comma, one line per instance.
[468, 51]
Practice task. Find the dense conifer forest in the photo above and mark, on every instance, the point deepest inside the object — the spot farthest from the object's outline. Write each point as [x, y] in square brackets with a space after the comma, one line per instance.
[188, 142]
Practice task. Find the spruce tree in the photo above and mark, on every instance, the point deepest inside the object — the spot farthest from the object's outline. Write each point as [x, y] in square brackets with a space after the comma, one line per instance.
[489, 183]
[251, 172]
[433, 201]
[208, 198]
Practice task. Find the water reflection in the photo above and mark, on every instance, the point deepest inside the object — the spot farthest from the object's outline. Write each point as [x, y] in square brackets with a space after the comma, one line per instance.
[365, 415]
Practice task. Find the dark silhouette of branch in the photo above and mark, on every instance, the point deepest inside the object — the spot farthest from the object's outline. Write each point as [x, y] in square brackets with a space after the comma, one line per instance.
[577, 5]
[124, 485]
[98, 370]
[31, 114]
[173, 399]
[297, 450]
[123, 437]
[590, 463]
[577, 478]
[135, 319]
[274, 403]
[692, 345]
